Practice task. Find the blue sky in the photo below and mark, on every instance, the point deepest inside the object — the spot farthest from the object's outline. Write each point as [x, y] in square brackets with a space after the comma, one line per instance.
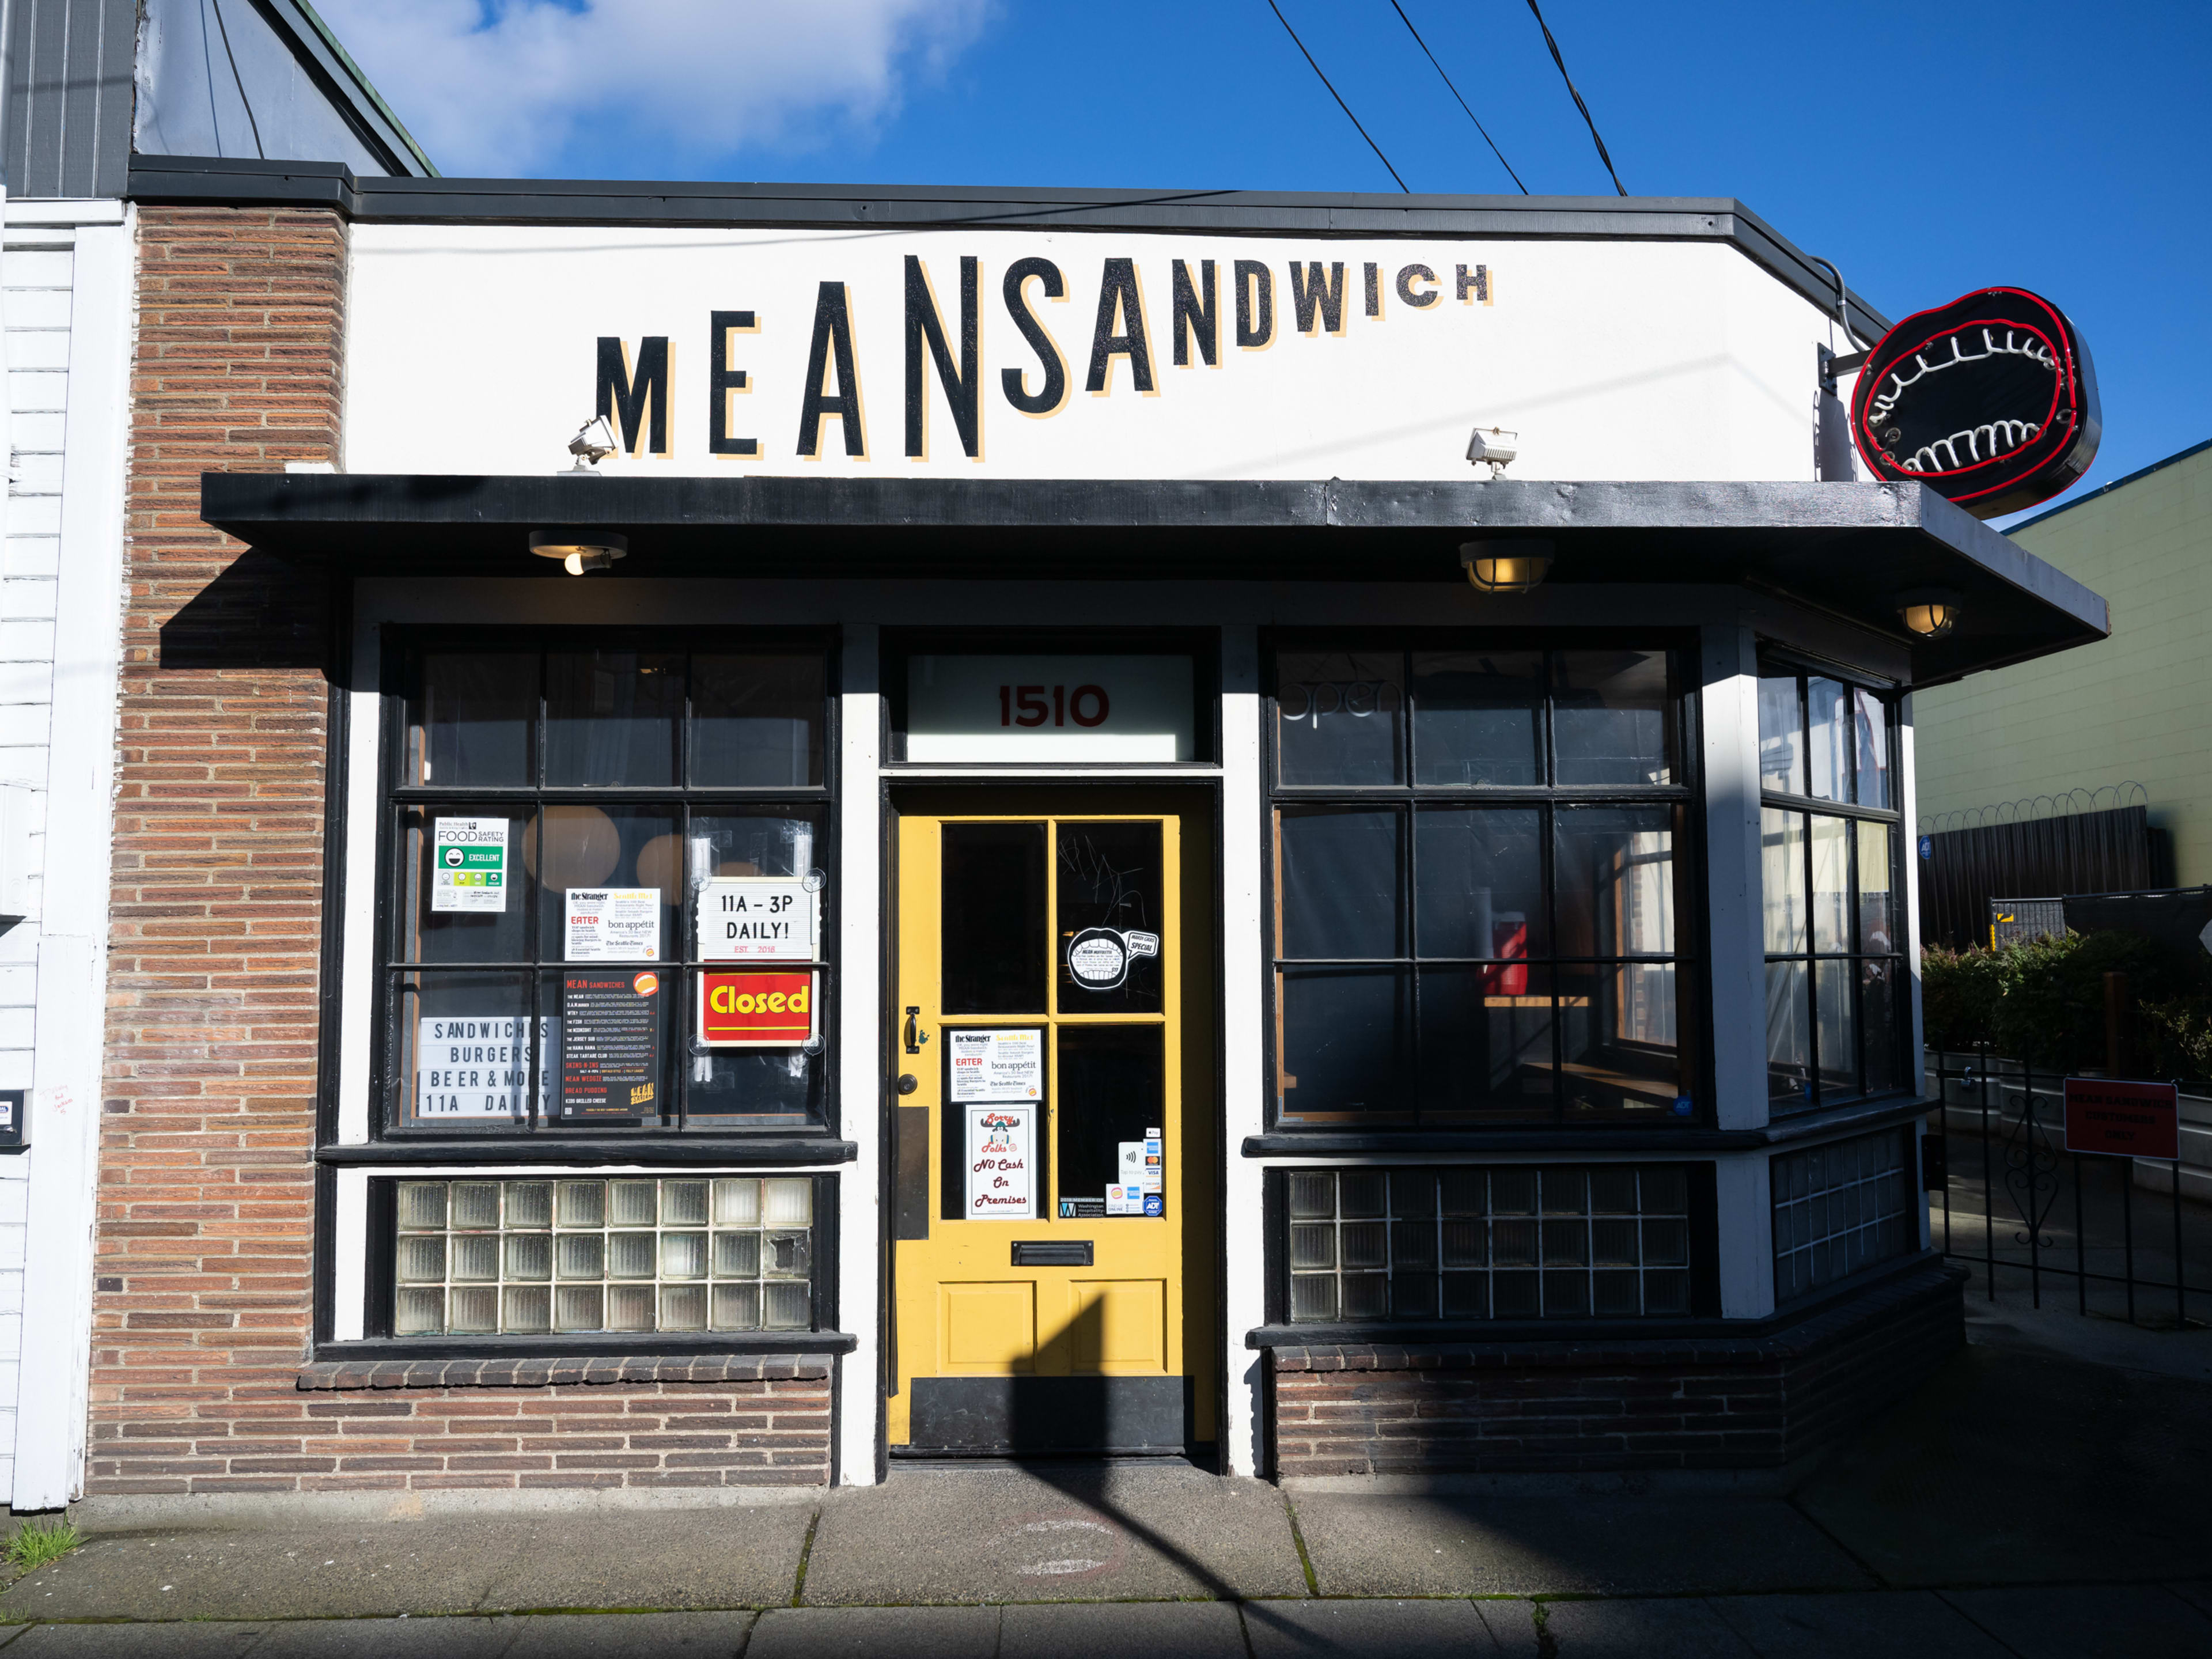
[1927, 150]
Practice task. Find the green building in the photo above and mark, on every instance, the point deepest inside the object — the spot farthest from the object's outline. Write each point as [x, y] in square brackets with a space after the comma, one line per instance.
[2131, 709]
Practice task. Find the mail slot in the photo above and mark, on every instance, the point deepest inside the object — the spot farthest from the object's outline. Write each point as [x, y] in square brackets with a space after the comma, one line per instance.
[1052, 1253]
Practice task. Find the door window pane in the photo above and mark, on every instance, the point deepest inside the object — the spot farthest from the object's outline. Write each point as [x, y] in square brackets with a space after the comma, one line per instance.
[1878, 919]
[1609, 717]
[1342, 883]
[1486, 1042]
[1342, 716]
[1782, 878]
[1873, 729]
[1789, 1036]
[1345, 1041]
[756, 720]
[1480, 881]
[1831, 859]
[994, 932]
[1112, 1099]
[1781, 737]
[611, 717]
[1828, 710]
[477, 723]
[1109, 948]
[1615, 878]
[1478, 717]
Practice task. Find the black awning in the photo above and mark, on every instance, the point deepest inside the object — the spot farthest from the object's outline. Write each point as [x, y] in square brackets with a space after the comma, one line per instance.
[1848, 549]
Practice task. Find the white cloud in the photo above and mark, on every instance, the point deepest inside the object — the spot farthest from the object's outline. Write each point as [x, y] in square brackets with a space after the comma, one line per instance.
[508, 88]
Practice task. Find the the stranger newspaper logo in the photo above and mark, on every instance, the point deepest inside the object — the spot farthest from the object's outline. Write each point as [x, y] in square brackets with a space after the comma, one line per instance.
[613, 923]
[2116, 1119]
[996, 1066]
[757, 1010]
[471, 1067]
[999, 1161]
[468, 858]
[757, 919]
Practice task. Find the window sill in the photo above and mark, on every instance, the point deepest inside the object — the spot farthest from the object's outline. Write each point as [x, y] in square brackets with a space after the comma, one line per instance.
[685, 1152]
[1595, 1138]
[597, 1349]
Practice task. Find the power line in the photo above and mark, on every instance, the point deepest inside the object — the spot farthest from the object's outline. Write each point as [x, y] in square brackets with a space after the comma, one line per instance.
[1339, 96]
[1577, 96]
[1478, 127]
[254, 126]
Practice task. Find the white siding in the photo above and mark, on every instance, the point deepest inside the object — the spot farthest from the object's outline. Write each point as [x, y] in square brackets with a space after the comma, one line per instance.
[64, 283]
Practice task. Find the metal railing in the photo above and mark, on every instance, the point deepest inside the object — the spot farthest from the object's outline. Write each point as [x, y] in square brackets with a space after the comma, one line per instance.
[2017, 1206]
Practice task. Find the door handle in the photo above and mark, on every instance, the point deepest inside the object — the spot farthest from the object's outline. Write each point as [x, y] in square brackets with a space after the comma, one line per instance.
[915, 1036]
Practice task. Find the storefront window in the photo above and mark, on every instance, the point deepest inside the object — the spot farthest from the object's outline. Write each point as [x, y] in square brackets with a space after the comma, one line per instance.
[608, 888]
[1834, 926]
[1476, 910]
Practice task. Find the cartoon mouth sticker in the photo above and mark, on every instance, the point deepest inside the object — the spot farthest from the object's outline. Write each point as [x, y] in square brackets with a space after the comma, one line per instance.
[1991, 401]
[1098, 957]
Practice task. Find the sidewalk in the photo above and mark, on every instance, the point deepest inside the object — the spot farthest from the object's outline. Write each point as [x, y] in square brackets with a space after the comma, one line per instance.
[2042, 1496]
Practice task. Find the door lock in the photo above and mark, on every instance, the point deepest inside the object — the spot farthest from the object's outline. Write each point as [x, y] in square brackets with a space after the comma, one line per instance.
[908, 1083]
[915, 1036]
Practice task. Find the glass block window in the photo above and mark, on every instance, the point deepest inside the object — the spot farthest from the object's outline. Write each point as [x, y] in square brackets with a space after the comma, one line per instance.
[531, 1258]
[1476, 912]
[1841, 1207]
[1830, 829]
[1608, 1241]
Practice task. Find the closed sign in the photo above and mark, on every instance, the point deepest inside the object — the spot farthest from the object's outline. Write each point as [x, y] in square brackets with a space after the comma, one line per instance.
[756, 1011]
[1050, 708]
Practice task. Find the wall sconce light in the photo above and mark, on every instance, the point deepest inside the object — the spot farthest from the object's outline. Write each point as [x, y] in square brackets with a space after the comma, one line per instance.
[1930, 612]
[579, 551]
[1506, 566]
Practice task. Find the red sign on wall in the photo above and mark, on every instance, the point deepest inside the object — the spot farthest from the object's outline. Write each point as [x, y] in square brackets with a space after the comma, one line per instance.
[2123, 1120]
[756, 1011]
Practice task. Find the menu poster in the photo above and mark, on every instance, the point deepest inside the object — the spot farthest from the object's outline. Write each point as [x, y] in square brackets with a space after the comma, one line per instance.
[609, 1046]
[1007, 1066]
[999, 1146]
[614, 924]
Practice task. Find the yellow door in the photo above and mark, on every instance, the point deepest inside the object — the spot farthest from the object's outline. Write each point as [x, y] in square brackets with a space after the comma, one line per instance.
[1045, 1213]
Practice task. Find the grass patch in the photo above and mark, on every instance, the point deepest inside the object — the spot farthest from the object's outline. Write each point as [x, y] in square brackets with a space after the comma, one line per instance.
[35, 1543]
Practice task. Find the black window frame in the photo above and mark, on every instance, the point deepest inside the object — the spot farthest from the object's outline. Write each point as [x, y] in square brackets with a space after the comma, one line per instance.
[402, 650]
[1685, 795]
[1816, 1096]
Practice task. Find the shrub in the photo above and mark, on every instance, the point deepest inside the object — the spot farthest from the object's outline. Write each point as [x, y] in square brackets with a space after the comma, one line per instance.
[1959, 995]
[2042, 1001]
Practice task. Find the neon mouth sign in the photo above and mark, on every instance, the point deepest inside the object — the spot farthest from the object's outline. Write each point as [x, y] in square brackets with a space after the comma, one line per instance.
[1990, 401]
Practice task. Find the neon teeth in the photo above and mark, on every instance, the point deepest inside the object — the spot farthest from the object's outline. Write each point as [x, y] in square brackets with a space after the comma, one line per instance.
[2014, 345]
[2001, 438]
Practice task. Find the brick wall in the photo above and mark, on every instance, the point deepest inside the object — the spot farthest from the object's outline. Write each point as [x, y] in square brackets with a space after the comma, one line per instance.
[1727, 1403]
[769, 1432]
[202, 1299]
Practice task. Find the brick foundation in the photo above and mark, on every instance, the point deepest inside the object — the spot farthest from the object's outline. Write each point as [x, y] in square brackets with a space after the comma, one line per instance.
[1749, 1403]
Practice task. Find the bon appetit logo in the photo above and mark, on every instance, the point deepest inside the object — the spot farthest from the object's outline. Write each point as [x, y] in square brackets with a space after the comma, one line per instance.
[1211, 306]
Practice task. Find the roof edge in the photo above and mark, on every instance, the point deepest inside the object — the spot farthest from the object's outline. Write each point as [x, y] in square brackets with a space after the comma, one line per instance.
[172, 179]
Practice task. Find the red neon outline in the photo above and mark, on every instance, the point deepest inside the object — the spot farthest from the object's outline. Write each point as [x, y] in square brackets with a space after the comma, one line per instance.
[2066, 394]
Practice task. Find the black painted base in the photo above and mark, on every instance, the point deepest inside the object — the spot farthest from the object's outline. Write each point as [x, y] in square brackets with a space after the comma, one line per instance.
[1008, 1416]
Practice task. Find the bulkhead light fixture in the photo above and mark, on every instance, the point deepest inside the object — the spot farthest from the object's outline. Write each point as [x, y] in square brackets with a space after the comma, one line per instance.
[1930, 612]
[580, 550]
[1506, 566]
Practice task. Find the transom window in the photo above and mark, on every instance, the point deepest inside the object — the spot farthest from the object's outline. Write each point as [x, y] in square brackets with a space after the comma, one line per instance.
[559, 806]
[1829, 826]
[1475, 911]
